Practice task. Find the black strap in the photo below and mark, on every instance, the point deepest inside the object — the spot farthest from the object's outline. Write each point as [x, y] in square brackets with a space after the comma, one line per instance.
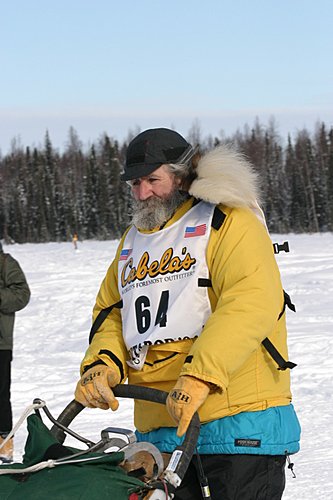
[217, 221]
[270, 348]
[95, 363]
[116, 361]
[278, 358]
[218, 218]
[287, 302]
[113, 358]
[101, 317]
[204, 282]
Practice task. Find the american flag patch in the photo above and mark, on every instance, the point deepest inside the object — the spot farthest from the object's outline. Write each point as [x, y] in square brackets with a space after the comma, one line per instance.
[125, 253]
[192, 231]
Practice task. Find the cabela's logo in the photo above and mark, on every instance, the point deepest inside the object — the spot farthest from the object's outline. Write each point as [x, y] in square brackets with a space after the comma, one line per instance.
[168, 263]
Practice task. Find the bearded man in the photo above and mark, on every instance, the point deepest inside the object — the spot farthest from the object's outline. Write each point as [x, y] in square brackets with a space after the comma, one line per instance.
[200, 313]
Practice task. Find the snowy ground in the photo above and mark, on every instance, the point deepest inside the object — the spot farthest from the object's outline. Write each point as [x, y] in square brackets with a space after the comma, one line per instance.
[51, 337]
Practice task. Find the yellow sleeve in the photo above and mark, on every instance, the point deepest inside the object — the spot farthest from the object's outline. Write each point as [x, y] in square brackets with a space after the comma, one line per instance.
[246, 298]
[107, 344]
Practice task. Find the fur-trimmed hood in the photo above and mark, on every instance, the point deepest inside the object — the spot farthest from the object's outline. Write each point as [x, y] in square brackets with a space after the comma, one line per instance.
[225, 177]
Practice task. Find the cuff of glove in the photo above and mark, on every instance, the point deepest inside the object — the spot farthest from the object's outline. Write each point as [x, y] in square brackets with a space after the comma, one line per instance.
[96, 363]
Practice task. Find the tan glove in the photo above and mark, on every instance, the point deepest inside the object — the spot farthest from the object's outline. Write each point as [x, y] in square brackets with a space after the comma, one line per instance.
[93, 390]
[184, 400]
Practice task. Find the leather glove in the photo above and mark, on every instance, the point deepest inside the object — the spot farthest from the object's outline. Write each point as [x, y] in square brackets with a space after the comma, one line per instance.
[184, 400]
[93, 390]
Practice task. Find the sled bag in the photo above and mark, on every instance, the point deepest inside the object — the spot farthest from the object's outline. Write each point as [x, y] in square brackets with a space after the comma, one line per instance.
[98, 479]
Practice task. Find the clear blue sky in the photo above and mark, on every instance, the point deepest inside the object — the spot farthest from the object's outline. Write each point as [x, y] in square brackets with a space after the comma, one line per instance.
[112, 66]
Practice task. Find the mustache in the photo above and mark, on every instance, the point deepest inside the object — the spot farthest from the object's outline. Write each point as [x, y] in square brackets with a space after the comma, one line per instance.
[151, 202]
[154, 212]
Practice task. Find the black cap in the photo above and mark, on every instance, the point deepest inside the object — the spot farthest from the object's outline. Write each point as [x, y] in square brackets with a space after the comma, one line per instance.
[151, 149]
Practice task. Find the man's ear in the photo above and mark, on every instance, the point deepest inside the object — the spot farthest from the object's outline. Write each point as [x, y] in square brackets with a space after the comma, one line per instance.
[178, 182]
[186, 183]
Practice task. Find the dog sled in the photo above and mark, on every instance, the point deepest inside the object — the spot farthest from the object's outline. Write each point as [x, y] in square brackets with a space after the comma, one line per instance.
[117, 467]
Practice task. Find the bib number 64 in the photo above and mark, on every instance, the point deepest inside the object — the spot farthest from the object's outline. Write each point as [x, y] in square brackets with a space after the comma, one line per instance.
[143, 312]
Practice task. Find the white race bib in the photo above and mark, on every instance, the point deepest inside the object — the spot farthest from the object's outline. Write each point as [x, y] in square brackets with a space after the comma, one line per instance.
[158, 279]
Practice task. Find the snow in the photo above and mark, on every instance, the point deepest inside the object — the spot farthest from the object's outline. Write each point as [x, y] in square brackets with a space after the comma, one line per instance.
[51, 335]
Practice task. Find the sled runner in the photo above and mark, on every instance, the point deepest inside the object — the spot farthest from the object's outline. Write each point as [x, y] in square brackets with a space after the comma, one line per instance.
[115, 468]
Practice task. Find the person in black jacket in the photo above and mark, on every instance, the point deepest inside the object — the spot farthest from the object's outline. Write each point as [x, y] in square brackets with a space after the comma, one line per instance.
[14, 296]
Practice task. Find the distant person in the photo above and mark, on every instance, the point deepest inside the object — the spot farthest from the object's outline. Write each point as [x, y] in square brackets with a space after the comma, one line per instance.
[75, 240]
[198, 311]
[14, 296]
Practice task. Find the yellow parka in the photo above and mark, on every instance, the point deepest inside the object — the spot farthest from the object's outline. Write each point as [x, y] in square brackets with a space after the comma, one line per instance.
[246, 298]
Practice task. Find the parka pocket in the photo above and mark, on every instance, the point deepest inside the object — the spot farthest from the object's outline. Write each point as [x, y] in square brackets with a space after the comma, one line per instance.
[161, 369]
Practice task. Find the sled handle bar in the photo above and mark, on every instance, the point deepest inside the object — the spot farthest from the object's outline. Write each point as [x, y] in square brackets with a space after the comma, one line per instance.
[185, 451]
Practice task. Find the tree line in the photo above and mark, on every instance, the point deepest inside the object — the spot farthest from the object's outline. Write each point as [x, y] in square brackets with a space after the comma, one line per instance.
[46, 195]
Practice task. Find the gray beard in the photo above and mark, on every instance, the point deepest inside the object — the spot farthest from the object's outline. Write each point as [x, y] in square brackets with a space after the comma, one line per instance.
[154, 212]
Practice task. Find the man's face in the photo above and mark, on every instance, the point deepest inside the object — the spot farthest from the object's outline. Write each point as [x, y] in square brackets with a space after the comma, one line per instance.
[155, 198]
[160, 184]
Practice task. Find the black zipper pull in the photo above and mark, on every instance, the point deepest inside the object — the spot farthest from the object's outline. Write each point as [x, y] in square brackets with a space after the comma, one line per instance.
[290, 465]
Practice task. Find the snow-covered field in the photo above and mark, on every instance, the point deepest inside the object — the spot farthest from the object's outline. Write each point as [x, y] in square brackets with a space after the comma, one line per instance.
[51, 335]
